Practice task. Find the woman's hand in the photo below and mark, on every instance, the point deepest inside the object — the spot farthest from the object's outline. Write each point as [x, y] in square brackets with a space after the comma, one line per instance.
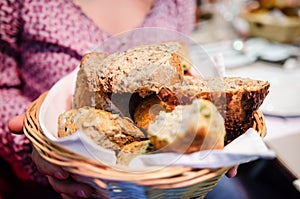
[15, 124]
[60, 180]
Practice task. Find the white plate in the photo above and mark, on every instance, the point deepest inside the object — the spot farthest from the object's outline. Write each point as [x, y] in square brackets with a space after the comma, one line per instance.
[284, 97]
[269, 51]
[230, 57]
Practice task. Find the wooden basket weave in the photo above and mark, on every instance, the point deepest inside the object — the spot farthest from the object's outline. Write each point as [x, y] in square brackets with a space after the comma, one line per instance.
[167, 182]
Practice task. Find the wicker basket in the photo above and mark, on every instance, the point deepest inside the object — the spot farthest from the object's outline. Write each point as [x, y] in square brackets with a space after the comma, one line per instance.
[167, 182]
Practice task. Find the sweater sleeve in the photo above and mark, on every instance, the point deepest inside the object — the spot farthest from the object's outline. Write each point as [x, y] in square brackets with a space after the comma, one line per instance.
[15, 149]
[186, 15]
[179, 15]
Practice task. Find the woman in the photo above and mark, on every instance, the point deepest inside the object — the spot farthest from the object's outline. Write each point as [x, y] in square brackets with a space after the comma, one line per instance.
[43, 40]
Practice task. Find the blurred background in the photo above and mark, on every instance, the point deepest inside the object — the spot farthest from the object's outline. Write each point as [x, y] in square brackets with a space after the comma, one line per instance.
[258, 39]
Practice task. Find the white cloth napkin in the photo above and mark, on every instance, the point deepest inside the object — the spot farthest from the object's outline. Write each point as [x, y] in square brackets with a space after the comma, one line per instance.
[245, 148]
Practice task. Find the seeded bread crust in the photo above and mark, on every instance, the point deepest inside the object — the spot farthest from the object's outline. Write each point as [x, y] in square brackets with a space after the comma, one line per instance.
[142, 69]
[106, 129]
[136, 77]
[236, 99]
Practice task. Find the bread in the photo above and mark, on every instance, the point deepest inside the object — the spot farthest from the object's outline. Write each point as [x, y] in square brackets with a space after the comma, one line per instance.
[143, 69]
[279, 4]
[180, 113]
[96, 66]
[132, 150]
[106, 129]
[180, 48]
[188, 128]
[236, 98]
[147, 110]
[88, 91]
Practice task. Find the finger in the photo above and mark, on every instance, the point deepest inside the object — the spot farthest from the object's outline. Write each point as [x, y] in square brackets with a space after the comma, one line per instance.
[47, 168]
[16, 123]
[70, 188]
[232, 172]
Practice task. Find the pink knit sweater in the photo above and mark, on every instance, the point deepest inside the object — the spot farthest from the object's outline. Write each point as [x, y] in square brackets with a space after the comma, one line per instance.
[43, 40]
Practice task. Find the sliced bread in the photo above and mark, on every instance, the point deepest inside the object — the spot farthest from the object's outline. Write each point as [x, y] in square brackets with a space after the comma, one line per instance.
[236, 98]
[106, 129]
[88, 91]
[142, 69]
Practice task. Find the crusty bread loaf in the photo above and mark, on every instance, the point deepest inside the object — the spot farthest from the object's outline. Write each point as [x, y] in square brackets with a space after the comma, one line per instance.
[236, 98]
[188, 128]
[143, 69]
[130, 151]
[180, 113]
[106, 129]
[88, 91]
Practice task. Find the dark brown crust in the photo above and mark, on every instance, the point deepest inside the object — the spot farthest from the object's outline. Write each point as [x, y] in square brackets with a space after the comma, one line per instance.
[236, 106]
[239, 117]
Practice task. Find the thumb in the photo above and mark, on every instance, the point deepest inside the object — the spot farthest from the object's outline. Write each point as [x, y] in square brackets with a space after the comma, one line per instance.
[232, 171]
[16, 123]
